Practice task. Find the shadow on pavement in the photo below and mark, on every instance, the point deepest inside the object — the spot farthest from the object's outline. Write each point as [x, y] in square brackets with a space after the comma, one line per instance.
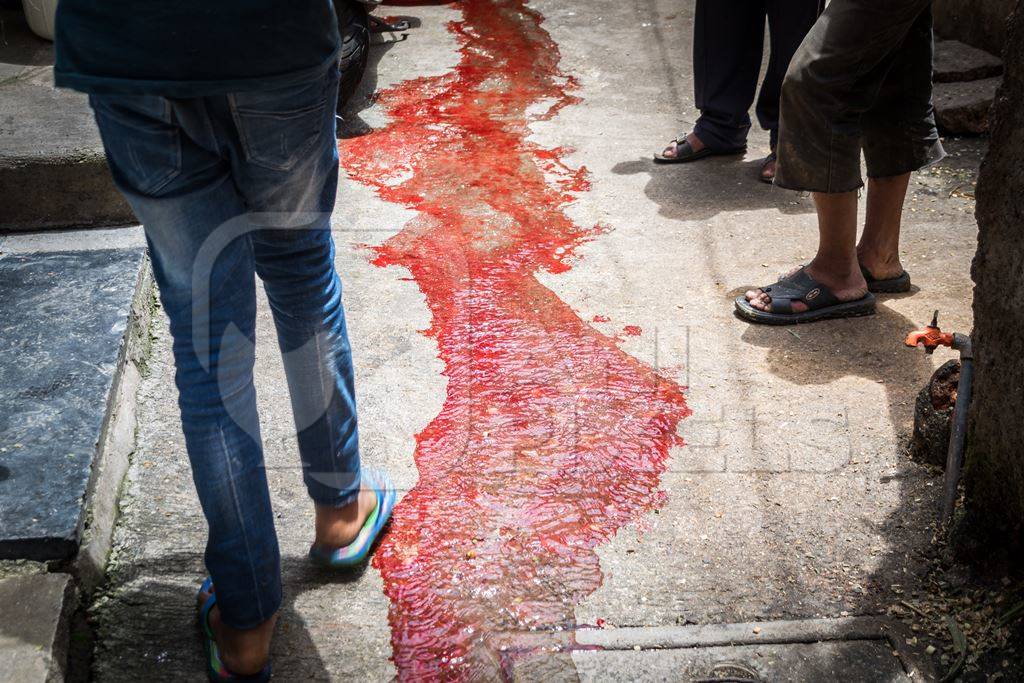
[165, 639]
[18, 45]
[702, 189]
[871, 348]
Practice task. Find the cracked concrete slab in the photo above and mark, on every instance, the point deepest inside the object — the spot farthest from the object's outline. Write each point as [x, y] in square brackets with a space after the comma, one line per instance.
[60, 393]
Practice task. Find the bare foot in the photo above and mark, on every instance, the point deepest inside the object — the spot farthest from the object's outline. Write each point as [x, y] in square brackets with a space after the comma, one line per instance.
[881, 266]
[847, 286]
[768, 168]
[673, 147]
[337, 527]
[243, 652]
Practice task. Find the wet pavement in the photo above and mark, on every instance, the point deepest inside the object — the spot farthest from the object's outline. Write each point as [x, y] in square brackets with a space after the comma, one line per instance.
[584, 435]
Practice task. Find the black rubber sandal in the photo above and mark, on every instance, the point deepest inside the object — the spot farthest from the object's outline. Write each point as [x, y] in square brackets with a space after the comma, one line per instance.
[892, 285]
[821, 303]
[685, 152]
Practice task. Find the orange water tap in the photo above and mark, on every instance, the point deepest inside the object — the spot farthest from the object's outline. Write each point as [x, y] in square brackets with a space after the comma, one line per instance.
[931, 337]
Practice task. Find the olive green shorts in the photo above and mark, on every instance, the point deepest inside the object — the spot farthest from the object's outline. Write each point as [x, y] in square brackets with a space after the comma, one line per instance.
[861, 80]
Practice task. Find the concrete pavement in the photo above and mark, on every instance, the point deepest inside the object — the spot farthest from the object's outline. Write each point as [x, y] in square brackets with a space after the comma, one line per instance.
[792, 498]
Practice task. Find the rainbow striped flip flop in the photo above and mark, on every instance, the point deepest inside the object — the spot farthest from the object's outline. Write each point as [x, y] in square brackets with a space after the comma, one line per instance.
[355, 552]
[215, 669]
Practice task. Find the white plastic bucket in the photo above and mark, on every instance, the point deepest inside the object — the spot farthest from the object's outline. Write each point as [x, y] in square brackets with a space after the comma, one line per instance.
[40, 15]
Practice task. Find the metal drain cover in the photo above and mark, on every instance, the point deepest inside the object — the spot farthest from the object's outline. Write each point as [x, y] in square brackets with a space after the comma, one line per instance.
[850, 660]
[807, 650]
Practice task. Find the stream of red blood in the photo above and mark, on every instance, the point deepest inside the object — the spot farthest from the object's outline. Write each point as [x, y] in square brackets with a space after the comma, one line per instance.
[551, 438]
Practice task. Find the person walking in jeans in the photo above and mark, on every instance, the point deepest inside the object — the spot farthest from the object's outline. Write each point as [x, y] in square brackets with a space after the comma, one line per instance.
[861, 81]
[728, 46]
[218, 125]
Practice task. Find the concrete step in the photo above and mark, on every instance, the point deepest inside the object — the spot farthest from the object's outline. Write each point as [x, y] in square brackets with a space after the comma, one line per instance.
[52, 169]
[34, 632]
[963, 107]
[955, 61]
[74, 316]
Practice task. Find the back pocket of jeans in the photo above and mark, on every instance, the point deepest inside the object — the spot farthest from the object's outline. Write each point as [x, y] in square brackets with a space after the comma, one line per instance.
[279, 127]
[141, 139]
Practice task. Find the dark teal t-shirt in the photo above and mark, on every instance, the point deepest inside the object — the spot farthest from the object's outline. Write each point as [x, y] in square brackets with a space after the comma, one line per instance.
[191, 48]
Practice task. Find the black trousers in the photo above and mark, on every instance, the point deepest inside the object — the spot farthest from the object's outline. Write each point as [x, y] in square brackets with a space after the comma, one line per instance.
[861, 81]
[728, 45]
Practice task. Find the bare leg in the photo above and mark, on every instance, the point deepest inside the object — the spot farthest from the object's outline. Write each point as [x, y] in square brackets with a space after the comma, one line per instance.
[835, 265]
[879, 248]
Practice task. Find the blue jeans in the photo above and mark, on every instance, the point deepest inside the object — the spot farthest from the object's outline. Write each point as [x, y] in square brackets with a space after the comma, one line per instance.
[229, 187]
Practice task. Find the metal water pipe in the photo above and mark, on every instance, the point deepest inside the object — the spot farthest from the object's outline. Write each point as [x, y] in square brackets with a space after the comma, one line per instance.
[930, 338]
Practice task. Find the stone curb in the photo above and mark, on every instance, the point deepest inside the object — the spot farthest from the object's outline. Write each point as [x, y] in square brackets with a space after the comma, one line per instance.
[117, 441]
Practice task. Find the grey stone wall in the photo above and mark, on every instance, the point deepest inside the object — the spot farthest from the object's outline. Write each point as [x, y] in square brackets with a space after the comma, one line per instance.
[981, 23]
[994, 477]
